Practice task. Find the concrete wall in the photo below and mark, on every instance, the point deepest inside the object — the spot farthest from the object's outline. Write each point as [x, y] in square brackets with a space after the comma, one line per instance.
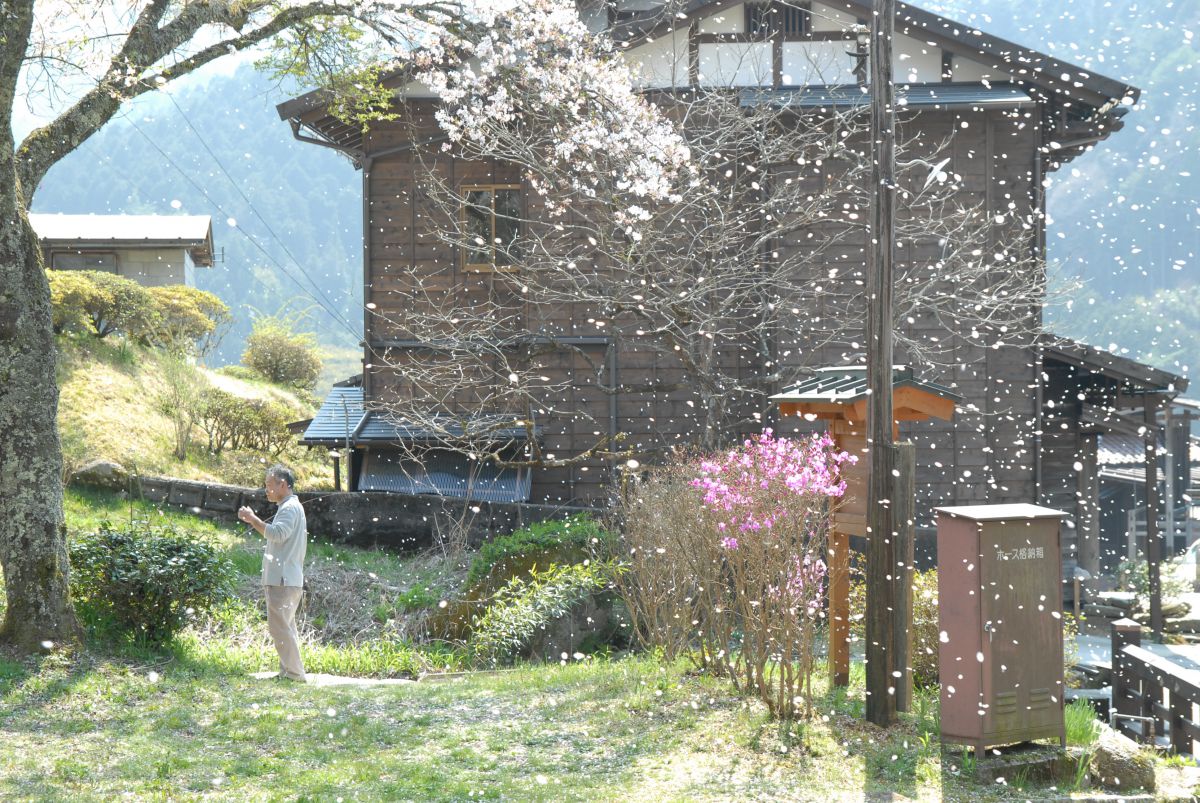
[368, 520]
[154, 267]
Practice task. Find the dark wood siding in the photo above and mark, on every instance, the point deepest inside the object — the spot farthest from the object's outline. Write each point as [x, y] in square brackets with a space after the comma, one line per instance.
[984, 455]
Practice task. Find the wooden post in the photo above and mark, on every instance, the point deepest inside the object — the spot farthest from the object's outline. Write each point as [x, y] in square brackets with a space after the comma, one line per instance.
[881, 554]
[1153, 538]
[1124, 631]
[839, 609]
[1181, 711]
[904, 515]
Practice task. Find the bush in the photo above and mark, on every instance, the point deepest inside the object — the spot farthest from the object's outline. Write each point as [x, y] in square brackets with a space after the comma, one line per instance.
[187, 319]
[566, 541]
[179, 398]
[924, 658]
[525, 607]
[146, 581]
[748, 545]
[102, 303]
[232, 422]
[283, 356]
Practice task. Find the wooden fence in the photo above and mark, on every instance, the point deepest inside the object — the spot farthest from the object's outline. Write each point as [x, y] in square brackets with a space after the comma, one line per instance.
[1140, 678]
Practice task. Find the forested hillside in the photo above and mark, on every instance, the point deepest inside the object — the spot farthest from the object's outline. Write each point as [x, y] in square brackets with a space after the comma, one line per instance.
[287, 216]
[1125, 218]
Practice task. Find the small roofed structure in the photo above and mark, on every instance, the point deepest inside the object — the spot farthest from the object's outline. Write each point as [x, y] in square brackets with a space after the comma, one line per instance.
[386, 454]
[839, 395]
[152, 250]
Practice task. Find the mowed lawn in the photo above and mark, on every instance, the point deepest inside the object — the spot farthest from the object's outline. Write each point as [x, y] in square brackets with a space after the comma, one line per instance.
[189, 722]
[609, 730]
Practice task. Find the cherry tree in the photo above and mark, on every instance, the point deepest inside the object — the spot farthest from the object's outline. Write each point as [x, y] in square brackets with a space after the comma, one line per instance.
[86, 60]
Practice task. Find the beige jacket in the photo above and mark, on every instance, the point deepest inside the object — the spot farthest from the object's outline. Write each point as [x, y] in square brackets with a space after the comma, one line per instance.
[287, 540]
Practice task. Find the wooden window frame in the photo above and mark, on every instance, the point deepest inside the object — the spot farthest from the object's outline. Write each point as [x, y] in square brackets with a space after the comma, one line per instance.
[91, 252]
[486, 267]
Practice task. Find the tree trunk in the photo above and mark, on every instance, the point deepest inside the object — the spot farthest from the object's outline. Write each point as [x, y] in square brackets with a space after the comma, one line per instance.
[33, 547]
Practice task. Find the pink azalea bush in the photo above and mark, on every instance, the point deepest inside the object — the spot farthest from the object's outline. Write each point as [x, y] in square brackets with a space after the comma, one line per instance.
[731, 547]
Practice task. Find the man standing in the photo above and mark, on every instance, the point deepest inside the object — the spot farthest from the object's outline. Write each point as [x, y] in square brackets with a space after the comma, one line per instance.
[283, 566]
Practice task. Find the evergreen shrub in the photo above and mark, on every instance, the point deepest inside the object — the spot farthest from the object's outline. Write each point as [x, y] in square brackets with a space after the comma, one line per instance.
[146, 581]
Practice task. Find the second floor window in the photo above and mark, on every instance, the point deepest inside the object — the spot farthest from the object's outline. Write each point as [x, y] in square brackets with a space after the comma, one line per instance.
[491, 223]
[770, 18]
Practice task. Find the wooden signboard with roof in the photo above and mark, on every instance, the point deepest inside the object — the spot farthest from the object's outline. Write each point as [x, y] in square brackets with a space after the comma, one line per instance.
[838, 395]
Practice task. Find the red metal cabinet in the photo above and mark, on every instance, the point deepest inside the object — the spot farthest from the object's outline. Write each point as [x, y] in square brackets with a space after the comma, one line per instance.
[1000, 654]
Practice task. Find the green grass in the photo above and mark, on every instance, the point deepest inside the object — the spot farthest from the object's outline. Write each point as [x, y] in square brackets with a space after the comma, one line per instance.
[188, 722]
[184, 726]
[1083, 729]
[108, 409]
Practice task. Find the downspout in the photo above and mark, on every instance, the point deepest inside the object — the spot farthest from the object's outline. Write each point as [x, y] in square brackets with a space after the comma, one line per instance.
[366, 162]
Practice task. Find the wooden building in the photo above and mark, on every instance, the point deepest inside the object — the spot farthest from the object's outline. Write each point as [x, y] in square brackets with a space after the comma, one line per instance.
[1010, 114]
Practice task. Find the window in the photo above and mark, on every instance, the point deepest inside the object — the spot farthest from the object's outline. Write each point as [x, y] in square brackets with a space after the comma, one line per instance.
[81, 260]
[491, 224]
[768, 19]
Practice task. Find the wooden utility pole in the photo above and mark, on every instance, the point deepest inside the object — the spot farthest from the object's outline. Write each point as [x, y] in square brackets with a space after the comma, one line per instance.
[882, 603]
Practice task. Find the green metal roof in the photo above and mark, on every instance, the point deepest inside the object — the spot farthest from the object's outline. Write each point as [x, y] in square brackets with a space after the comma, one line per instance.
[847, 384]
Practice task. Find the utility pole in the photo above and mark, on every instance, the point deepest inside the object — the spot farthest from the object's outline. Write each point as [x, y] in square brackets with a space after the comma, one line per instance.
[882, 602]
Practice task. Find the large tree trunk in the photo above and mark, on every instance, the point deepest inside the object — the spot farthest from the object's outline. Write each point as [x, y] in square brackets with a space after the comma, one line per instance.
[33, 549]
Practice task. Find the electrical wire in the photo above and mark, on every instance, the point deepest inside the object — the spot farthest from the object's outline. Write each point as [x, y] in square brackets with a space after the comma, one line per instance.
[249, 204]
[321, 301]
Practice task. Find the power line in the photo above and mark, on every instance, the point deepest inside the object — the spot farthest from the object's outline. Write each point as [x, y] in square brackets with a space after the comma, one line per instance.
[249, 203]
[323, 303]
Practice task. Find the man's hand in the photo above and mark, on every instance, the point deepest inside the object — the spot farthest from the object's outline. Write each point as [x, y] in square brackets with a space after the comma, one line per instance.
[245, 514]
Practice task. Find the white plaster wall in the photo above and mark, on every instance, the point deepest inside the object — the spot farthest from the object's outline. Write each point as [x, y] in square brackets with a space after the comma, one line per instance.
[970, 70]
[731, 20]
[153, 267]
[661, 63]
[826, 18]
[735, 64]
[914, 61]
[817, 63]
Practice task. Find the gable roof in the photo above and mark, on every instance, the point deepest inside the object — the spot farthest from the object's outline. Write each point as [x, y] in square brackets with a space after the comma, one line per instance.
[1096, 101]
[1028, 66]
[193, 232]
[1138, 376]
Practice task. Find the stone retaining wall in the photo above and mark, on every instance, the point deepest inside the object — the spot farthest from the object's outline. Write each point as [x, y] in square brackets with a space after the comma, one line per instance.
[369, 520]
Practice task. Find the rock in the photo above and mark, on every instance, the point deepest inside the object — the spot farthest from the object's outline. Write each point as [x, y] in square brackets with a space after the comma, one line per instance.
[102, 474]
[1120, 765]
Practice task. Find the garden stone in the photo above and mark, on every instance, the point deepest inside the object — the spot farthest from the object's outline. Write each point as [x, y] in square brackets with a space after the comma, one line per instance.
[104, 474]
[1119, 764]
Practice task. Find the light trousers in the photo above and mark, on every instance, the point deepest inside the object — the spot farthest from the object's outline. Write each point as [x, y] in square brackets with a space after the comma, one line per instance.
[282, 602]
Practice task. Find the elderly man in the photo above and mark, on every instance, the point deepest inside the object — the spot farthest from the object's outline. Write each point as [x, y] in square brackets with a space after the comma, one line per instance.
[283, 566]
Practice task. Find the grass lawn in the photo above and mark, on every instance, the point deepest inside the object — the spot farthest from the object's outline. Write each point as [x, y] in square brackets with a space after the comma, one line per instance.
[188, 722]
[177, 728]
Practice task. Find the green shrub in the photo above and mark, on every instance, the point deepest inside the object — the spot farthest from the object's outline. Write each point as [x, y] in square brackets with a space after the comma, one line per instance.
[146, 580]
[72, 293]
[566, 541]
[924, 659]
[282, 355]
[525, 607]
[232, 422]
[187, 319]
[102, 303]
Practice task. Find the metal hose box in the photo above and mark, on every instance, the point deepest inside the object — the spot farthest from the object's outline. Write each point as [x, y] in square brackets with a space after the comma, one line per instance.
[1000, 651]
